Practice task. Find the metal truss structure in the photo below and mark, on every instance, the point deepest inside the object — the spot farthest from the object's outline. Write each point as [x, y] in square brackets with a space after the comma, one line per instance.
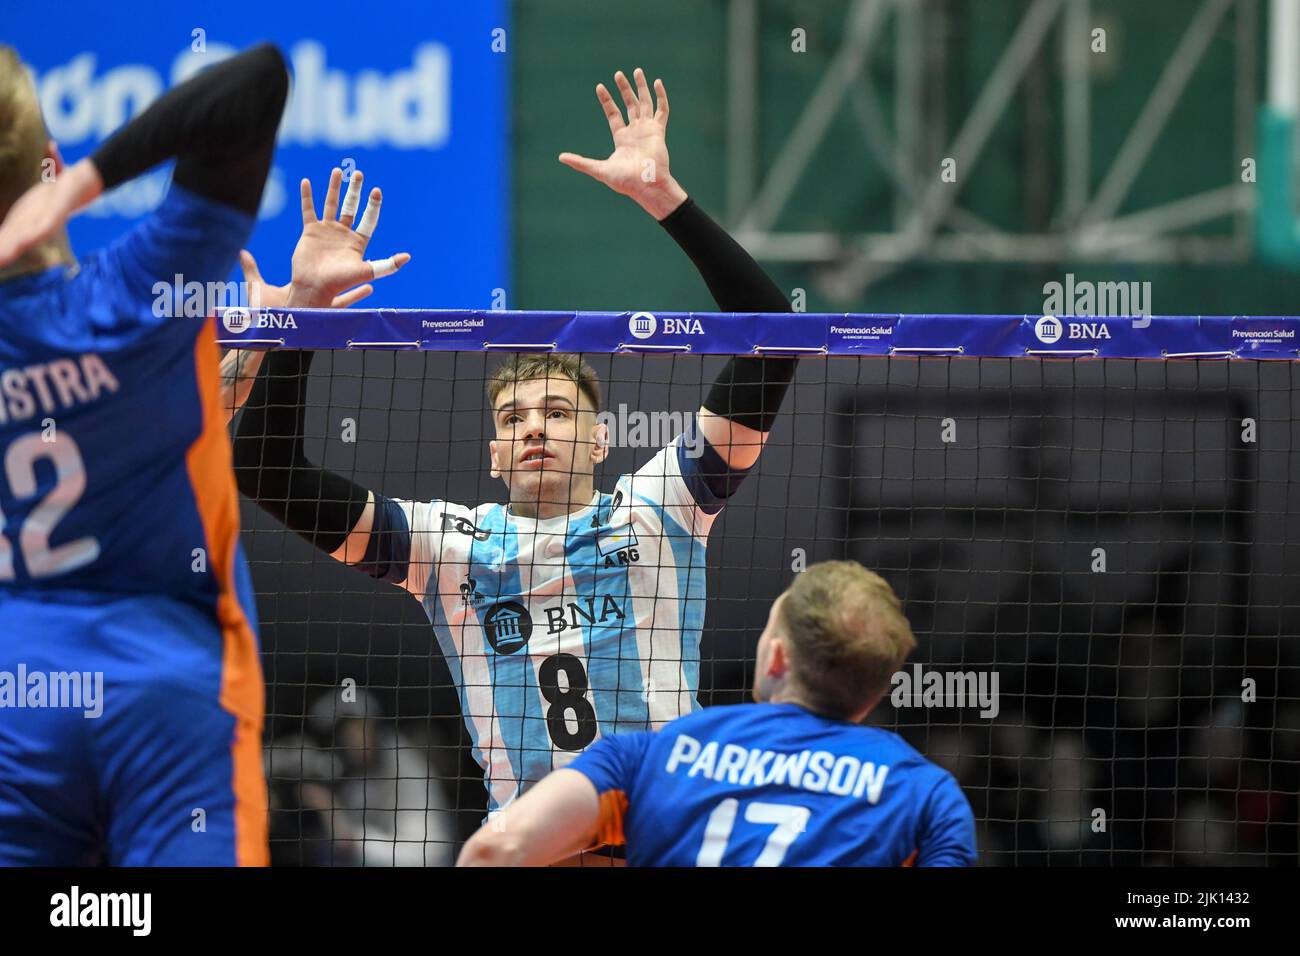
[929, 225]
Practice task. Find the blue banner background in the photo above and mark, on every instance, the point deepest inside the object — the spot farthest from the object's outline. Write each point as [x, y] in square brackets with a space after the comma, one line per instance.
[442, 160]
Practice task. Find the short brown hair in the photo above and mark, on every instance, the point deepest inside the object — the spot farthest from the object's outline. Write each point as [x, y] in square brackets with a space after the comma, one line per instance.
[522, 367]
[847, 635]
[22, 130]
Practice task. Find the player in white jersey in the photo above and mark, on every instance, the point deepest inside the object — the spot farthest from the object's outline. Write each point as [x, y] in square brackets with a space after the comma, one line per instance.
[567, 613]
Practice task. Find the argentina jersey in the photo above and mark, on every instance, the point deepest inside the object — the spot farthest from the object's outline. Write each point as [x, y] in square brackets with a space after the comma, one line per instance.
[776, 785]
[562, 630]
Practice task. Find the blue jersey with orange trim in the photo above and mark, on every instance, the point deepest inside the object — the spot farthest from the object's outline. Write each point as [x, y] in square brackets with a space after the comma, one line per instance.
[776, 785]
[120, 559]
[115, 471]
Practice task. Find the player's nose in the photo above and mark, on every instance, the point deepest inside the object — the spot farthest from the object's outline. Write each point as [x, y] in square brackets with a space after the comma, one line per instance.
[535, 424]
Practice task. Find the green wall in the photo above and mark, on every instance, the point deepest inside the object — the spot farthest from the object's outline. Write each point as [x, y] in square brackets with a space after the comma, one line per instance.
[577, 245]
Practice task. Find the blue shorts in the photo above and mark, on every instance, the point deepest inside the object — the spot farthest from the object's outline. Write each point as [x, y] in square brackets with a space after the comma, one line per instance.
[143, 749]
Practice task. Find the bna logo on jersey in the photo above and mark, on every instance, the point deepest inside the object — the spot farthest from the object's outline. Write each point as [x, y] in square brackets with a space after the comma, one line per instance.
[236, 320]
[508, 627]
[642, 325]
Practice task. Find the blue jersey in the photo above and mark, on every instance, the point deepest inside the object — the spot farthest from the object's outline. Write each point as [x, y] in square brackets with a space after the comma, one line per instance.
[776, 785]
[119, 526]
[564, 629]
[116, 461]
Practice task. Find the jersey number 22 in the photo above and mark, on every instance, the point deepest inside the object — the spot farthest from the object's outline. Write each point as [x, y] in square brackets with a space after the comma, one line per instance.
[34, 538]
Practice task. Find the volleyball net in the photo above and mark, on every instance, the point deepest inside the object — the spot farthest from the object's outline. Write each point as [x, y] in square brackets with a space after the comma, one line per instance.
[1090, 522]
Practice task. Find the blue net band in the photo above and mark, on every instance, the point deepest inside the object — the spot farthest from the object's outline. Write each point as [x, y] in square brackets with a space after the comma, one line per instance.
[810, 334]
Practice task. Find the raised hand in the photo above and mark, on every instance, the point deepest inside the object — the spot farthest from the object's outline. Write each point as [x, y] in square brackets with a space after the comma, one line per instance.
[329, 258]
[263, 295]
[638, 166]
[239, 366]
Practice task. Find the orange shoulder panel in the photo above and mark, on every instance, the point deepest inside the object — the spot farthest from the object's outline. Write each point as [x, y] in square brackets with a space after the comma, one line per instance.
[613, 807]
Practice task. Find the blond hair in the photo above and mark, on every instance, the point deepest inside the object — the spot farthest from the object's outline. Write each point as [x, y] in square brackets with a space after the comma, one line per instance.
[22, 130]
[847, 636]
[522, 367]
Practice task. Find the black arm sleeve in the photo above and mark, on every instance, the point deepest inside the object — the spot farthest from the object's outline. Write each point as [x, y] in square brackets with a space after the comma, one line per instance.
[272, 468]
[749, 390]
[220, 126]
[736, 281]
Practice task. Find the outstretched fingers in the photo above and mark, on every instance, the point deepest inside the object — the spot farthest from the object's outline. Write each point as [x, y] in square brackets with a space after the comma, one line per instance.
[582, 164]
[611, 109]
[370, 218]
[363, 271]
[386, 267]
[352, 297]
[629, 96]
[351, 199]
[248, 265]
[332, 195]
[308, 204]
[644, 99]
[661, 91]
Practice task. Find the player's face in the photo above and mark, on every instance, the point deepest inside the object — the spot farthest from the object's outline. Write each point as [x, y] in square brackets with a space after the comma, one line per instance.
[546, 447]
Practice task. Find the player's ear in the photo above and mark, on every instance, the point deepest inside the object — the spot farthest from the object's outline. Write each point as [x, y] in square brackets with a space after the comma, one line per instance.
[495, 469]
[599, 441]
[778, 662]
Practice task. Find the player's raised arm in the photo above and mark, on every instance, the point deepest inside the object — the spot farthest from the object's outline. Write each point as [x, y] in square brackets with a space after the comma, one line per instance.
[742, 405]
[219, 126]
[333, 513]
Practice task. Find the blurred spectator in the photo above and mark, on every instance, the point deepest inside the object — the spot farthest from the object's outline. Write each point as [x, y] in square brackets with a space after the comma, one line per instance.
[371, 789]
[1070, 783]
[1019, 752]
[298, 835]
[1204, 835]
